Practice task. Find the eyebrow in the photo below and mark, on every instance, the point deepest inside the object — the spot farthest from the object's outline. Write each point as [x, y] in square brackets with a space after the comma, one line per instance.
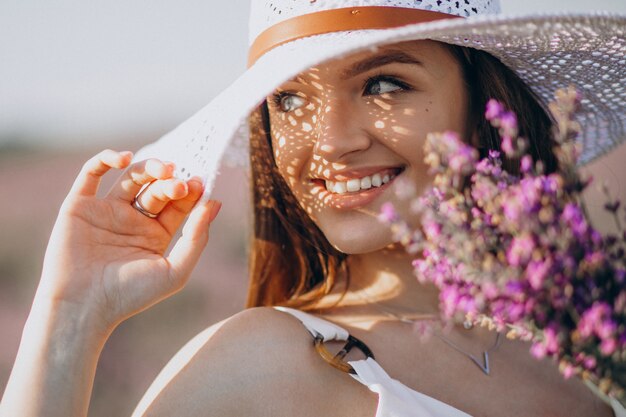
[380, 60]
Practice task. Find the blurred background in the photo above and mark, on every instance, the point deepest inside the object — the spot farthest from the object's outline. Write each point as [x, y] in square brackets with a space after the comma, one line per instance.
[76, 77]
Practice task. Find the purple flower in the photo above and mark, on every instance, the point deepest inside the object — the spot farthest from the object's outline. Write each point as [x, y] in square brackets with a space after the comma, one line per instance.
[536, 272]
[494, 108]
[432, 230]
[508, 123]
[538, 350]
[517, 249]
[608, 346]
[589, 362]
[526, 164]
[568, 371]
[507, 145]
[387, 213]
[520, 250]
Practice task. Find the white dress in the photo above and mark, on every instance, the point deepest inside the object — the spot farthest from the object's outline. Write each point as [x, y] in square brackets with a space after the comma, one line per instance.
[394, 398]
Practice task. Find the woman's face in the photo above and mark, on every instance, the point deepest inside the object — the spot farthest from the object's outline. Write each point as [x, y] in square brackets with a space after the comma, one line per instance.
[348, 133]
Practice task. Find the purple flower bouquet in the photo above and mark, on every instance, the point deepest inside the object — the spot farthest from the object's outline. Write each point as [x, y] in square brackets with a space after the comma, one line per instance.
[517, 253]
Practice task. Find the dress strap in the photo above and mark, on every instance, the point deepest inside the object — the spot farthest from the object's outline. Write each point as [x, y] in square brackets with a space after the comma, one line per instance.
[324, 331]
[316, 326]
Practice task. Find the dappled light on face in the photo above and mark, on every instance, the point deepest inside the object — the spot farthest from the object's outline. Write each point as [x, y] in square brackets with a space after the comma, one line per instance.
[337, 139]
[318, 119]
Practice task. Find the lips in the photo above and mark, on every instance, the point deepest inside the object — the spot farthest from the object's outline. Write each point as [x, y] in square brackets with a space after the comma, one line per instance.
[342, 193]
[358, 180]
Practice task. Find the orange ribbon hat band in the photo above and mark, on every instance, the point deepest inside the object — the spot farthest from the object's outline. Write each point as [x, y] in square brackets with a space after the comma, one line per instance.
[337, 20]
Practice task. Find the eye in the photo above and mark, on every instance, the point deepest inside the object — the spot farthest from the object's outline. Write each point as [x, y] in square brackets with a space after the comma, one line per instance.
[287, 102]
[383, 84]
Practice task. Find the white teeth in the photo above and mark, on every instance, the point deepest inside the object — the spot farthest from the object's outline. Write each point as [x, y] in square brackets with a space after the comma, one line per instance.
[340, 187]
[354, 185]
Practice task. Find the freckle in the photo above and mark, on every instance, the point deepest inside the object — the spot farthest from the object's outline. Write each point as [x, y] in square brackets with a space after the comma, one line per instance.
[290, 170]
[319, 170]
[327, 148]
[327, 172]
[310, 106]
[328, 108]
[315, 190]
[409, 112]
[316, 157]
[315, 76]
[427, 110]
[379, 124]
[337, 166]
[306, 127]
[292, 121]
[281, 141]
[314, 119]
[317, 85]
[382, 104]
[400, 130]
[298, 112]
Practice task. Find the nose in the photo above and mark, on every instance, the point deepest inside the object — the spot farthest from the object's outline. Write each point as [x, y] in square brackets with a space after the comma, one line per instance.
[339, 130]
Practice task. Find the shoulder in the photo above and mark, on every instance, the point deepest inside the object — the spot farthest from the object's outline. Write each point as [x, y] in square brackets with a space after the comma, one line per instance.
[240, 366]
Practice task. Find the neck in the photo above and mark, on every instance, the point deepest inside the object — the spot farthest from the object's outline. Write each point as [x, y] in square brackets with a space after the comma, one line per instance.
[383, 281]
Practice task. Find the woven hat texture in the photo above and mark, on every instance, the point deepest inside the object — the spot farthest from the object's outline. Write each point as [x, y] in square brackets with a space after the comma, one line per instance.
[548, 51]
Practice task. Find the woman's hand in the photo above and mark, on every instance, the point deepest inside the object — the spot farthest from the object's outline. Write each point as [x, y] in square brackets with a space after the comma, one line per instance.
[105, 259]
[105, 262]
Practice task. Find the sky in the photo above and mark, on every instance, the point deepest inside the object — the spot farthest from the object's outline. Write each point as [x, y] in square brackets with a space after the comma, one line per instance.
[82, 72]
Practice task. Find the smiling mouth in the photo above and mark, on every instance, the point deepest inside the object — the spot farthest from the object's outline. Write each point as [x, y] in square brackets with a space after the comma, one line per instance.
[356, 185]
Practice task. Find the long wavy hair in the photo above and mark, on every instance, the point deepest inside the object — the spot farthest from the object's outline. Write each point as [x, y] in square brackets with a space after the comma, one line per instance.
[291, 262]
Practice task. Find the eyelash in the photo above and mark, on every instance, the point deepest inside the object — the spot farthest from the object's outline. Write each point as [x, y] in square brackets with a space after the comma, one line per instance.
[278, 97]
[386, 78]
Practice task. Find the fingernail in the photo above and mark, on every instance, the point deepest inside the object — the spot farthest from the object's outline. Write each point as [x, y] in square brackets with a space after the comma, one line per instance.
[195, 179]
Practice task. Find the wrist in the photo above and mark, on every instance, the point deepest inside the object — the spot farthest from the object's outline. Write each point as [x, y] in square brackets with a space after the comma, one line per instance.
[67, 320]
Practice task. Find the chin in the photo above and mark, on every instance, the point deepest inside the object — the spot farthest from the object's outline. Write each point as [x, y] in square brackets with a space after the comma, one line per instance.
[359, 241]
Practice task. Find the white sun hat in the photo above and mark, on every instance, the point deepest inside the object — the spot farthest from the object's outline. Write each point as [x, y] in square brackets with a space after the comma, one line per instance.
[548, 51]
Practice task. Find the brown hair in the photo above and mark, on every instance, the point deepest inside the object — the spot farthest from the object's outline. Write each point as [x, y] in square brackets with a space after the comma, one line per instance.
[291, 261]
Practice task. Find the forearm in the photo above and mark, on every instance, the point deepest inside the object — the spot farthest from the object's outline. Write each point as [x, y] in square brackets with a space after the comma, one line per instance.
[55, 366]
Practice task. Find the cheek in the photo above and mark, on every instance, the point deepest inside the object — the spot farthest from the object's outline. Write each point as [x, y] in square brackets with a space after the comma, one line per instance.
[292, 148]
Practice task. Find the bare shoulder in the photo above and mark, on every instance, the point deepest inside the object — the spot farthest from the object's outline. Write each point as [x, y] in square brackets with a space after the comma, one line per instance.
[258, 362]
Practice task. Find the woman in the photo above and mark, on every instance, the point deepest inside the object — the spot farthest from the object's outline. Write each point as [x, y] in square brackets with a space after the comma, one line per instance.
[328, 147]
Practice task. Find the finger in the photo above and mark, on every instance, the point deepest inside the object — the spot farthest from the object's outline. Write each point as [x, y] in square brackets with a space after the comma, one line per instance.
[175, 212]
[138, 175]
[188, 248]
[156, 195]
[88, 180]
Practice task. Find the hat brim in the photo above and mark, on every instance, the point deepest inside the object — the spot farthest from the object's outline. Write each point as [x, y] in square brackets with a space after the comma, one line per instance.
[547, 51]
